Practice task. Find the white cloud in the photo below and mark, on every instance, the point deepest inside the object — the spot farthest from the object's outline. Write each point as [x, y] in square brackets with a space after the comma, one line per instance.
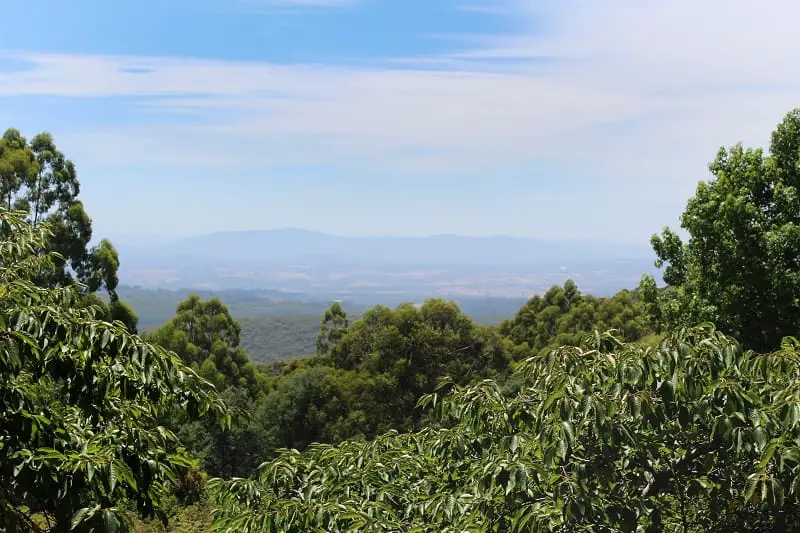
[623, 90]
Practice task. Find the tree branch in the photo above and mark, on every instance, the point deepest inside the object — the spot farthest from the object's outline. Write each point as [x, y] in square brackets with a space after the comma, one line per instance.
[661, 479]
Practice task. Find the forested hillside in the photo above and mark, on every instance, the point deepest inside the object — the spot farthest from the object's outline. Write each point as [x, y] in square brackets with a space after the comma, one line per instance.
[276, 327]
[157, 306]
[279, 338]
[673, 408]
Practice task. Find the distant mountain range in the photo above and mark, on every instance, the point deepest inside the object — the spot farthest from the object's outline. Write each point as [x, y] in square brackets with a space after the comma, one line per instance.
[368, 270]
[297, 245]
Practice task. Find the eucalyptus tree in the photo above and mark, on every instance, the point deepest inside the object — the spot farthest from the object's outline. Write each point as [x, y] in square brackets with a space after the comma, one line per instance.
[333, 327]
[36, 177]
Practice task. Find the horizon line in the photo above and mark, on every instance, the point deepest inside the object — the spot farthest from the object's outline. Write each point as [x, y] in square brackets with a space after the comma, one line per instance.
[288, 229]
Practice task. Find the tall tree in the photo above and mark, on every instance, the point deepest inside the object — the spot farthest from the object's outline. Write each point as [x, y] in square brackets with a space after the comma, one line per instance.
[740, 267]
[333, 327]
[563, 316]
[571, 292]
[18, 167]
[206, 337]
[78, 401]
[37, 178]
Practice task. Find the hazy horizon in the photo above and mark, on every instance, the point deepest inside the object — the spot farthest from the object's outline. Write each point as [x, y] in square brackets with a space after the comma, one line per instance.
[569, 120]
[126, 238]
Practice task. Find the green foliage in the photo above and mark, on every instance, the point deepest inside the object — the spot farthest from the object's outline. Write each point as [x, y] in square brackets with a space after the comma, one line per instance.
[562, 316]
[332, 328]
[206, 337]
[366, 382]
[278, 330]
[407, 419]
[417, 347]
[112, 311]
[325, 404]
[696, 435]
[279, 338]
[235, 452]
[739, 268]
[122, 312]
[79, 397]
[35, 177]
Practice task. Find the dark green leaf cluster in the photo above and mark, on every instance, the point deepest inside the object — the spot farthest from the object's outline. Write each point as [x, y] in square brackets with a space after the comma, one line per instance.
[367, 379]
[418, 345]
[695, 435]
[413, 347]
[206, 337]
[563, 316]
[79, 400]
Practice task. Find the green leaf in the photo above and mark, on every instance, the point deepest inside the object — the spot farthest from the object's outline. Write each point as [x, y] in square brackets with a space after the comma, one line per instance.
[110, 521]
[792, 455]
[569, 431]
[750, 487]
[79, 516]
[777, 494]
[760, 437]
[112, 477]
[511, 483]
[767, 454]
[561, 448]
[49, 453]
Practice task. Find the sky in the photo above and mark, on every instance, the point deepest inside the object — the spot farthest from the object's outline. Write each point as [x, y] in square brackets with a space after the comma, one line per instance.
[560, 119]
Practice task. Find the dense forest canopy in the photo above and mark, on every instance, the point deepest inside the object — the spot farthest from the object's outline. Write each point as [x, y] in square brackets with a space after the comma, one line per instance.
[78, 400]
[695, 435]
[670, 408]
[563, 315]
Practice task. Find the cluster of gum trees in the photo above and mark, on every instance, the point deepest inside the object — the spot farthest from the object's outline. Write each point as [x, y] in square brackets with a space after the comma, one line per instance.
[37, 179]
[698, 433]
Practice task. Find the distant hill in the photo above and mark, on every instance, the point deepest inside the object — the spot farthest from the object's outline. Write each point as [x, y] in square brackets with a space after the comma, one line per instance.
[300, 264]
[297, 245]
[156, 306]
[277, 330]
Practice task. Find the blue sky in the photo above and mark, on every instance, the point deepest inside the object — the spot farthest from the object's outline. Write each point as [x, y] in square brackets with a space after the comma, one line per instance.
[560, 119]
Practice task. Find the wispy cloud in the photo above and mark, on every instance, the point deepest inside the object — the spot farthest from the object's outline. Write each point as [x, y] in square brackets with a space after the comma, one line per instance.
[626, 89]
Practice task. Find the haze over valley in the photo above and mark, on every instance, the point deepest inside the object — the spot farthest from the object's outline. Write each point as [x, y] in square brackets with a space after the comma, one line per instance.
[369, 270]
